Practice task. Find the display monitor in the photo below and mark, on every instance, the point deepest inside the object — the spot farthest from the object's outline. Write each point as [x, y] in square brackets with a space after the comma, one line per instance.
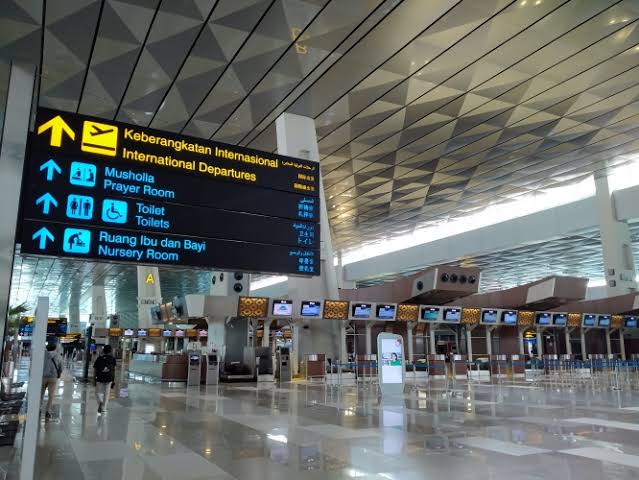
[128, 332]
[543, 318]
[194, 359]
[361, 310]
[603, 320]
[167, 333]
[386, 312]
[509, 317]
[310, 309]
[142, 332]
[204, 333]
[589, 320]
[452, 314]
[179, 333]
[560, 319]
[283, 308]
[430, 314]
[489, 316]
[630, 322]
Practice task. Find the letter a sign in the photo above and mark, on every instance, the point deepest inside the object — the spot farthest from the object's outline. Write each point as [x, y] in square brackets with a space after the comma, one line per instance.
[150, 279]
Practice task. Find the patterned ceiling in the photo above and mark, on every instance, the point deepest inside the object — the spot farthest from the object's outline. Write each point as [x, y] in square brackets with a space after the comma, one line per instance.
[425, 110]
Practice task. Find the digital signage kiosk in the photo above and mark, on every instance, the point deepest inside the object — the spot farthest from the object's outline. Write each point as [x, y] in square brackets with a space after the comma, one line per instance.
[391, 369]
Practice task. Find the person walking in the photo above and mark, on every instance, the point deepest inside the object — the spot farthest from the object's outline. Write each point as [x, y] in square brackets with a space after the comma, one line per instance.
[51, 373]
[104, 370]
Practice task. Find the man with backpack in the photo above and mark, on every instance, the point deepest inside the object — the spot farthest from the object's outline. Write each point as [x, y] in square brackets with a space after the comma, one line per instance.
[51, 373]
[104, 370]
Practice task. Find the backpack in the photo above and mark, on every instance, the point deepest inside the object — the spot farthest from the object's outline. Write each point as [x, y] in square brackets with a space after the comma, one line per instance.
[105, 369]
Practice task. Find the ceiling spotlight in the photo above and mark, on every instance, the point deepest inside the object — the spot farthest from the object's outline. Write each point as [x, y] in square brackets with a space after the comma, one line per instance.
[472, 279]
[462, 279]
[453, 277]
[444, 277]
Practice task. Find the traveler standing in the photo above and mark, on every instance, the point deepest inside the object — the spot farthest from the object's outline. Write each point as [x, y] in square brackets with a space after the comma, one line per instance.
[104, 371]
[53, 367]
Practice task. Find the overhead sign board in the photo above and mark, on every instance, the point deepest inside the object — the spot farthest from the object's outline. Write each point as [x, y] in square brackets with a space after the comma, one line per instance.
[109, 191]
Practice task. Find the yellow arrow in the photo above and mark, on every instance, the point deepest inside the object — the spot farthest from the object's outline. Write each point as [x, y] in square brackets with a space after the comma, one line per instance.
[57, 126]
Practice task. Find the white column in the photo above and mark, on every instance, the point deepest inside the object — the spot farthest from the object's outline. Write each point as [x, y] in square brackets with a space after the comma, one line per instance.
[608, 344]
[74, 317]
[98, 306]
[622, 345]
[616, 243]
[520, 335]
[582, 336]
[469, 342]
[267, 333]
[567, 337]
[296, 355]
[369, 338]
[540, 343]
[489, 341]
[15, 130]
[343, 349]
[149, 293]
[296, 137]
[431, 338]
[409, 339]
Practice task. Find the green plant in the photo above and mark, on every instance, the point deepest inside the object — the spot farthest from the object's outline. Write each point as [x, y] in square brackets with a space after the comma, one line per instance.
[14, 315]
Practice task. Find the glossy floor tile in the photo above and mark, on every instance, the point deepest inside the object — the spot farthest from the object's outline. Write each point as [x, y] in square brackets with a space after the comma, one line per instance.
[302, 431]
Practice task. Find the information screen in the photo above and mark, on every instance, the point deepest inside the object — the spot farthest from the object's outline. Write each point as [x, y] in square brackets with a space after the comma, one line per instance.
[452, 314]
[142, 332]
[489, 316]
[204, 333]
[128, 332]
[283, 308]
[544, 319]
[509, 317]
[179, 333]
[589, 320]
[630, 322]
[310, 309]
[604, 320]
[386, 312]
[361, 310]
[110, 191]
[167, 333]
[430, 314]
[391, 360]
[560, 319]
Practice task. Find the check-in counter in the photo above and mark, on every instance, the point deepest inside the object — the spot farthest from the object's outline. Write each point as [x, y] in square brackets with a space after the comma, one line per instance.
[168, 368]
[315, 366]
[518, 366]
[367, 365]
[499, 365]
[436, 365]
[459, 366]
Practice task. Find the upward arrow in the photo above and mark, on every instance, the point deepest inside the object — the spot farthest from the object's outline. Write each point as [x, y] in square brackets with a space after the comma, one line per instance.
[43, 234]
[51, 167]
[57, 126]
[46, 200]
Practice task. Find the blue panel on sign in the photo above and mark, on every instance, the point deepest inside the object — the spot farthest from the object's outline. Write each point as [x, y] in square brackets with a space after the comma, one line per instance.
[82, 174]
[76, 240]
[80, 206]
[114, 211]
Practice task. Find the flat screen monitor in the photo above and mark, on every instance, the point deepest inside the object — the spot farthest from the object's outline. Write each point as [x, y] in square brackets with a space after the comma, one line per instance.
[489, 316]
[386, 312]
[128, 332]
[361, 310]
[430, 314]
[194, 359]
[391, 360]
[310, 309]
[543, 318]
[142, 332]
[509, 317]
[283, 308]
[452, 314]
[603, 320]
[167, 333]
[630, 322]
[204, 333]
[560, 319]
[589, 320]
[179, 333]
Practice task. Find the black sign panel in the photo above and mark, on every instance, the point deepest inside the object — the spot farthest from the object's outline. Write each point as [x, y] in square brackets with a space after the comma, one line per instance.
[115, 192]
